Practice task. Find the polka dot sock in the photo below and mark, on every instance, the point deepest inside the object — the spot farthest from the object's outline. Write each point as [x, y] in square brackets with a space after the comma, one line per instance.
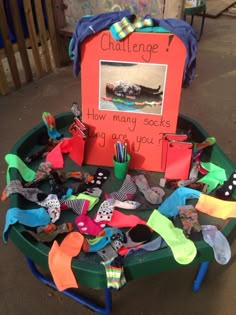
[228, 187]
[99, 178]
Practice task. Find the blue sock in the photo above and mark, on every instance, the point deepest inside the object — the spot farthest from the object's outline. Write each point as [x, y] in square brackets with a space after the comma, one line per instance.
[169, 207]
[32, 218]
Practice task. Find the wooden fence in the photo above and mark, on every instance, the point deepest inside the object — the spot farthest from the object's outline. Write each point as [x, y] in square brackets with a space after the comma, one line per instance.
[38, 50]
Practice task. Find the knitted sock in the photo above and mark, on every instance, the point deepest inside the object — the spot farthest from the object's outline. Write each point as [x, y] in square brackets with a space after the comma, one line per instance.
[120, 220]
[14, 161]
[218, 242]
[45, 235]
[99, 178]
[50, 124]
[216, 207]
[59, 260]
[121, 29]
[115, 273]
[152, 194]
[169, 207]
[227, 189]
[32, 218]
[189, 218]
[183, 249]
[127, 190]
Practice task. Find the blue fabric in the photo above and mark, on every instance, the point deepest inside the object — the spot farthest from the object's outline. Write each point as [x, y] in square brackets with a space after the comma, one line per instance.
[32, 218]
[90, 25]
[170, 205]
[188, 36]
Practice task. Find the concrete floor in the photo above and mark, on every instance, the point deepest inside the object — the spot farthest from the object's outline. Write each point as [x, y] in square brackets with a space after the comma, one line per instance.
[211, 101]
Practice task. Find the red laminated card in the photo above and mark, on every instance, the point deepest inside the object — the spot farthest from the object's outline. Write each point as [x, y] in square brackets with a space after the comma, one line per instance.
[145, 71]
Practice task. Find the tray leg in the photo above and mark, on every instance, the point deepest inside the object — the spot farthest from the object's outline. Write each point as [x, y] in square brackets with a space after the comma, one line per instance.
[200, 276]
[78, 298]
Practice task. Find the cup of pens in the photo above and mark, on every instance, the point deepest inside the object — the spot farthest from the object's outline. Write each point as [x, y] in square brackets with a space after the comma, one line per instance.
[121, 160]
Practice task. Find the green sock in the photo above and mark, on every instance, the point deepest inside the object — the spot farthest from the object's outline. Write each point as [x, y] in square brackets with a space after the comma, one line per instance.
[14, 161]
[183, 249]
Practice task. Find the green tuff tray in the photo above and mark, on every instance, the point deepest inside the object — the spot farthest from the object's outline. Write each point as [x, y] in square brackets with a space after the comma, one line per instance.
[87, 267]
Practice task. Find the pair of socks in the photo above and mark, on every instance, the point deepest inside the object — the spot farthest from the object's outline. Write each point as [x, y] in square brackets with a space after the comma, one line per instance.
[60, 258]
[153, 195]
[183, 249]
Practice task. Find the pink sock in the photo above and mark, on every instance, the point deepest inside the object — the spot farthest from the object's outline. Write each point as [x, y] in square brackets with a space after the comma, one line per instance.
[87, 226]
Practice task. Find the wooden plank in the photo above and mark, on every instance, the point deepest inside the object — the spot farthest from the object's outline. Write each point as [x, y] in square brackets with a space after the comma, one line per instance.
[8, 47]
[52, 33]
[174, 9]
[21, 41]
[3, 81]
[216, 7]
[42, 34]
[33, 38]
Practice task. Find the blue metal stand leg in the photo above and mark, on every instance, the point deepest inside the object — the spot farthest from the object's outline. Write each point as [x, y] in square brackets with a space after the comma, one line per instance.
[75, 296]
[200, 276]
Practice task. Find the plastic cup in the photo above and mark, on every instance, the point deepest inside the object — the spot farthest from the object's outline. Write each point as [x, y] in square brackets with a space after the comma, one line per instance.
[121, 168]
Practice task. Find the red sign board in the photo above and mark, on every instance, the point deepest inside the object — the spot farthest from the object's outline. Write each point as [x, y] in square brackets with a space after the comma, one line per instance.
[130, 93]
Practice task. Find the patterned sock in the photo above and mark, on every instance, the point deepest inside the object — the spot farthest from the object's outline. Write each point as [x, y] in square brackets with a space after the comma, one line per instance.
[104, 213]
[50, 124]
[31, 194]
[127, 190]
[42, 173]
[227, 189]
[121, 29]
[87, 226]
[99, 178]
[115, 273]
[77, 205]
[110, 251]
[189, 218]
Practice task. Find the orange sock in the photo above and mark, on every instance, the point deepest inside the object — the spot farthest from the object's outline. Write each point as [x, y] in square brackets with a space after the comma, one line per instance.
[59, 260]
[216, 207]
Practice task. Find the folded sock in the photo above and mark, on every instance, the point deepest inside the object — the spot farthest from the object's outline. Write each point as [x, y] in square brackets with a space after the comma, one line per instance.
[32, 218]
[59, 260]
[218, 242]
[183, 249]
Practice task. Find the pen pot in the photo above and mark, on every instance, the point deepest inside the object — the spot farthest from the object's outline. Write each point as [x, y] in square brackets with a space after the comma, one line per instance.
[121, 168]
